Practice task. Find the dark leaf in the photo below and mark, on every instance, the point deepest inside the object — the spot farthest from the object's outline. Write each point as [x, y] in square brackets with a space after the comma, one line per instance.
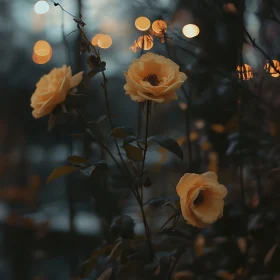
[148, 182]
[61, 171]
[100, 119]
[157, 202]
[272, 258]
[77, 160]
[106, 274]
[133, 153]
[169, 144]
[88, 171]
[121, 132]
[99, 165]
[95, 65]
[89, 265]
[124, 226]
[129, 139]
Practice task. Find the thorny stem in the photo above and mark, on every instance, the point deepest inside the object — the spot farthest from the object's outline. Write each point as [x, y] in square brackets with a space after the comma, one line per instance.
[105, 81]
[148, 108]
[130, 184]
[104, 147]
[188, 121]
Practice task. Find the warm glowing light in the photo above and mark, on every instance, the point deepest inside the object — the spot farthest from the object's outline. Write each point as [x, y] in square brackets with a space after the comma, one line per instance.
[190, 30]
[42, 48]
[159, 26]
[245, 72]
[41, 7]
[104, 41]
[42, 59]
[94, 40]
[272, 70]
[142, 23]
[148, 42]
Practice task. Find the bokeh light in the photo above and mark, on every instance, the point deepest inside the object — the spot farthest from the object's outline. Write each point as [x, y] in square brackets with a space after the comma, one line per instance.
[42, 48]
[104, 41]
[245, 72]
[159, 26]
[190, 30]
[41, 7]
[94, 40]
[271, 70]
[142, 23]
[148, 42]
[42, 59]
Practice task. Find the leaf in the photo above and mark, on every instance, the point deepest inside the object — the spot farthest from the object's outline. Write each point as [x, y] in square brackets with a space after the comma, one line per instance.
[106, 274]
[121, 132]
[100, 165]
[133, 153]
[129, 139]
[148, 182]
[88, 171]
[77, 160]
[169, 144]
[88, 266]
[157, 202]
[61, 171]
[95, 65]
[271, 260]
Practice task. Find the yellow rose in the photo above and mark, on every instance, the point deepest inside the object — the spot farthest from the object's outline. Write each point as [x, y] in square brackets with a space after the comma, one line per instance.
[201, 198]
[52, 89]
[153, 77]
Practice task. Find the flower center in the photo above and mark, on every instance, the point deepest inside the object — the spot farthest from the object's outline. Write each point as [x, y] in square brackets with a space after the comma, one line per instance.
[200, 198]
[152, 79]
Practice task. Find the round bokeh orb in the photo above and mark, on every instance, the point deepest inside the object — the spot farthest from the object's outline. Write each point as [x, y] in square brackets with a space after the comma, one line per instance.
[142, 23]
[41, 7]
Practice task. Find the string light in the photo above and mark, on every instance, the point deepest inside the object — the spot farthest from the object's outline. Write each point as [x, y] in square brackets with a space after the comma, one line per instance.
[41, 7]
[41, 59]
[142, 23]
[159, 26]
[190, 30]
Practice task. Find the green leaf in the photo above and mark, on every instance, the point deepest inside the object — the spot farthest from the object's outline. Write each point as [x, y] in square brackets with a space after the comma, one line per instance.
[89, 265]
[121, 132]
[62, 171]
[77, 160]
[133, 153]
[169, 144]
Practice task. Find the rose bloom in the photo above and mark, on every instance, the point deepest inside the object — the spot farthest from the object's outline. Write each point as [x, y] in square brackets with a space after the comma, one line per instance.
[52, 90]
[153, 77]
[201, 198]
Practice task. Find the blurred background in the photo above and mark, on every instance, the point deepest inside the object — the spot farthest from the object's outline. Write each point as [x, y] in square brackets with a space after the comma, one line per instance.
[47, 231]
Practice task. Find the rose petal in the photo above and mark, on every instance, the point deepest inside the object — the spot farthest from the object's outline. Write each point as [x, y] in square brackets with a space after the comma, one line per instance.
[76, 79]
